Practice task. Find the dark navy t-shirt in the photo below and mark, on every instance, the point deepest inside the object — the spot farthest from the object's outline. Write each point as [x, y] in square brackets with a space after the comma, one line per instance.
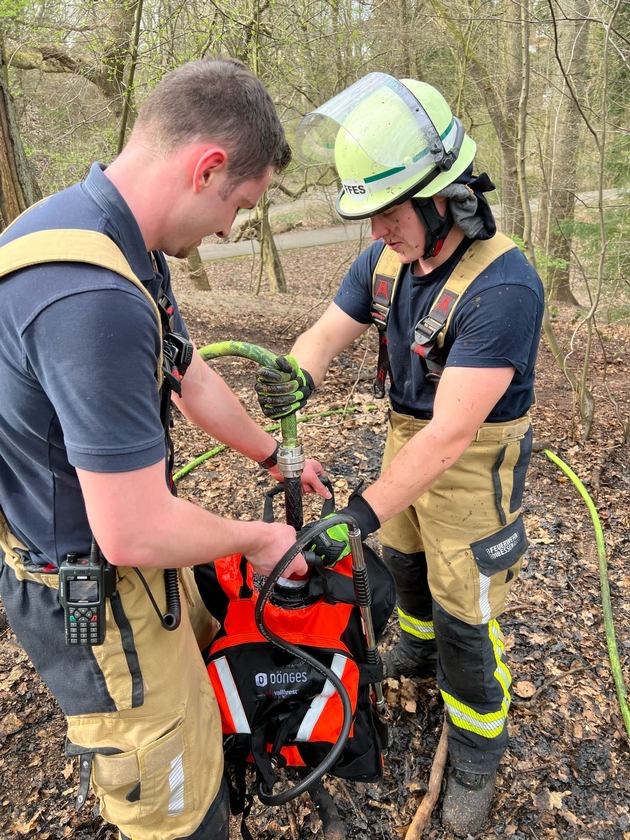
[496, 323]
[78, 361]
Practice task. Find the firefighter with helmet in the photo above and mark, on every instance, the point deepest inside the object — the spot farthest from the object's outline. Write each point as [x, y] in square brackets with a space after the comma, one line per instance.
[459, 318]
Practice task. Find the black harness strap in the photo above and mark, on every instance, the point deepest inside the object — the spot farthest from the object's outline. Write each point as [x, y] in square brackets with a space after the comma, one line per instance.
[429, 332]
[386, 274]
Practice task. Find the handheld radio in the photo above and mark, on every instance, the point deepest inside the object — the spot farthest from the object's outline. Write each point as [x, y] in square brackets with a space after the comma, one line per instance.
[84, 585]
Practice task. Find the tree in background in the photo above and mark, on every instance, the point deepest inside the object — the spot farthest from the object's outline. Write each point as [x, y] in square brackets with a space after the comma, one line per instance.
[18, 189]
[90, 46]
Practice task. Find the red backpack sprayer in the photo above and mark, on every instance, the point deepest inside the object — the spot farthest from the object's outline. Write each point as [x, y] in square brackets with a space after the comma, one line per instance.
[295, 665]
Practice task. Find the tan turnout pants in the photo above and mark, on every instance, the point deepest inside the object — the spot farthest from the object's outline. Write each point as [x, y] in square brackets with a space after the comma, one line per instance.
[469, 521]
[141, 713]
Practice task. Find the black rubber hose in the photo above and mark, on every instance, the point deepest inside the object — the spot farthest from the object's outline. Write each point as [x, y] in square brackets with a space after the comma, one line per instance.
[265, 796]
[293, 502]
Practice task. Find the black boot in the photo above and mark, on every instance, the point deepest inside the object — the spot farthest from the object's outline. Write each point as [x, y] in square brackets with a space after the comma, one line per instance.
[411, 657]
[467, 801]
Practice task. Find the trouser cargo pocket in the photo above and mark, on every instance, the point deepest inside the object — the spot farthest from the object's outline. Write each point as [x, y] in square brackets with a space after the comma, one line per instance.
[138, 784]
[498, 558]
[141, 784]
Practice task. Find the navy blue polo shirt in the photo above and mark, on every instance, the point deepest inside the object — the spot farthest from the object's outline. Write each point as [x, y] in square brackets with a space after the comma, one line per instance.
[496, 323]
[78, 361]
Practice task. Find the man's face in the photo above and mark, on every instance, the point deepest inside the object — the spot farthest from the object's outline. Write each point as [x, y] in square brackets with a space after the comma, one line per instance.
[214, 209]
[401, 229]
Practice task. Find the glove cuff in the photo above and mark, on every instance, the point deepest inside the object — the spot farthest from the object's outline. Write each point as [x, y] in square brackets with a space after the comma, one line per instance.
[361, 510]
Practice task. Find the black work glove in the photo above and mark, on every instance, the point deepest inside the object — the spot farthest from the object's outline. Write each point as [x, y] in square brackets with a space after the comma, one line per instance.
[283, 389]
[333, 544]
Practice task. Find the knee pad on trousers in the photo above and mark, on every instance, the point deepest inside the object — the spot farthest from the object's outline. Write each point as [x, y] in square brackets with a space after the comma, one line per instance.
[412, 586]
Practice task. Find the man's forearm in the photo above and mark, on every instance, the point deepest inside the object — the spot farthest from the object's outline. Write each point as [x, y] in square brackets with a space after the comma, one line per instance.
[464, 399]
[311, 356]
[414, 469]
[318, 346]
[137, 522]
[209, 403]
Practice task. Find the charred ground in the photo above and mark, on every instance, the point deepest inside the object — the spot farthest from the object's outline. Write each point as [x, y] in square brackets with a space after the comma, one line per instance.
[567, 771]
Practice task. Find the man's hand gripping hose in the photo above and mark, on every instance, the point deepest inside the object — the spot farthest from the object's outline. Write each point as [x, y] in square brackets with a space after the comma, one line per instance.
[283, 387]
[290, 455]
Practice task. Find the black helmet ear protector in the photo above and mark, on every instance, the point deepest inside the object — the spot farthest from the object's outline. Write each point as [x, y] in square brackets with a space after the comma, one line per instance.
[436, 226]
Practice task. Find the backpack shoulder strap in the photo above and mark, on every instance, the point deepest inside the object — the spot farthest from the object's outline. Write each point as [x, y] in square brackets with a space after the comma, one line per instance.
[481, 254]
[385, 276]
[431, 329]
[386, 272]
[72, 245]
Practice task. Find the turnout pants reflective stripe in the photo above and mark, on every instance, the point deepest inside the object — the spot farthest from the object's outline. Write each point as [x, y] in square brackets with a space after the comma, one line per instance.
[469, 524]
[140, 709]
[413, 598]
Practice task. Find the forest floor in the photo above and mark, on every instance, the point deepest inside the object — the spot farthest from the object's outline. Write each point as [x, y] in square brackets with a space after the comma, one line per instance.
[567, 770]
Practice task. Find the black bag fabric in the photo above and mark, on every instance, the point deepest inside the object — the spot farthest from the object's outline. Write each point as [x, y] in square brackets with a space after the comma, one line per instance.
[278, 710]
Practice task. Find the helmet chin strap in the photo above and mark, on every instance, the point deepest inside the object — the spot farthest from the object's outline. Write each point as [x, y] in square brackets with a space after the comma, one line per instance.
[437, 227]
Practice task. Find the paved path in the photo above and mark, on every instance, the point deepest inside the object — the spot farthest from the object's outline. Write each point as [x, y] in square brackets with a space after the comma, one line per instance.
[286, 241]
[349, 232]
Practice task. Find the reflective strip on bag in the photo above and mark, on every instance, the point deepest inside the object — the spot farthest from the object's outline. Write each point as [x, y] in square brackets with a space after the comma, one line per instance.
[318, 704]
[232, 697]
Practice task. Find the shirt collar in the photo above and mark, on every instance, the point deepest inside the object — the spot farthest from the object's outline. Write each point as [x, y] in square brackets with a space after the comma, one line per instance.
[120, 223]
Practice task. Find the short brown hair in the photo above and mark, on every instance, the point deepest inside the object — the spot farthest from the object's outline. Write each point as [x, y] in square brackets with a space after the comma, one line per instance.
[221, 100]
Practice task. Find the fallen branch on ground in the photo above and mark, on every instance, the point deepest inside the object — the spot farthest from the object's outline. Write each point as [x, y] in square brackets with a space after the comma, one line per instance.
[425, 809]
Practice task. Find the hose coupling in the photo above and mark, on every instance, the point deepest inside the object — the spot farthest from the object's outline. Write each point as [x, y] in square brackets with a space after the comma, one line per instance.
[291, 462]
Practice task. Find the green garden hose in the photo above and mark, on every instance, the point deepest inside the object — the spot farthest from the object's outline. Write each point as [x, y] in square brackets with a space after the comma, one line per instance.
[288, 427]
[613, 653]
[290, 455]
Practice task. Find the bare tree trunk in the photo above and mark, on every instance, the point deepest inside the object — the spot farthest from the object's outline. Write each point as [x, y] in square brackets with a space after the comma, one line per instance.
[571, 44]
[18, 189]
[197, 272]
[409, 67]
[128, 111]
[269, 257]
[525, 77]
[512, 220]
[107, 73]
[501, 109]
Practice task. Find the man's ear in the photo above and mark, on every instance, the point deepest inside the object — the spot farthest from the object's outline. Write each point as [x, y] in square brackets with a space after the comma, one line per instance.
[211, 160]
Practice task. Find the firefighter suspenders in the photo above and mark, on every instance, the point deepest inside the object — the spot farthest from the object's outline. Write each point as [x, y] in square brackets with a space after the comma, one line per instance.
[74, 245]
[430, 330]
[67, 245]
[384, 280]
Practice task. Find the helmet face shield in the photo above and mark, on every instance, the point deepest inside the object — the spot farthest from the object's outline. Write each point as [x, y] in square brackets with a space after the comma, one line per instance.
[384, 142]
